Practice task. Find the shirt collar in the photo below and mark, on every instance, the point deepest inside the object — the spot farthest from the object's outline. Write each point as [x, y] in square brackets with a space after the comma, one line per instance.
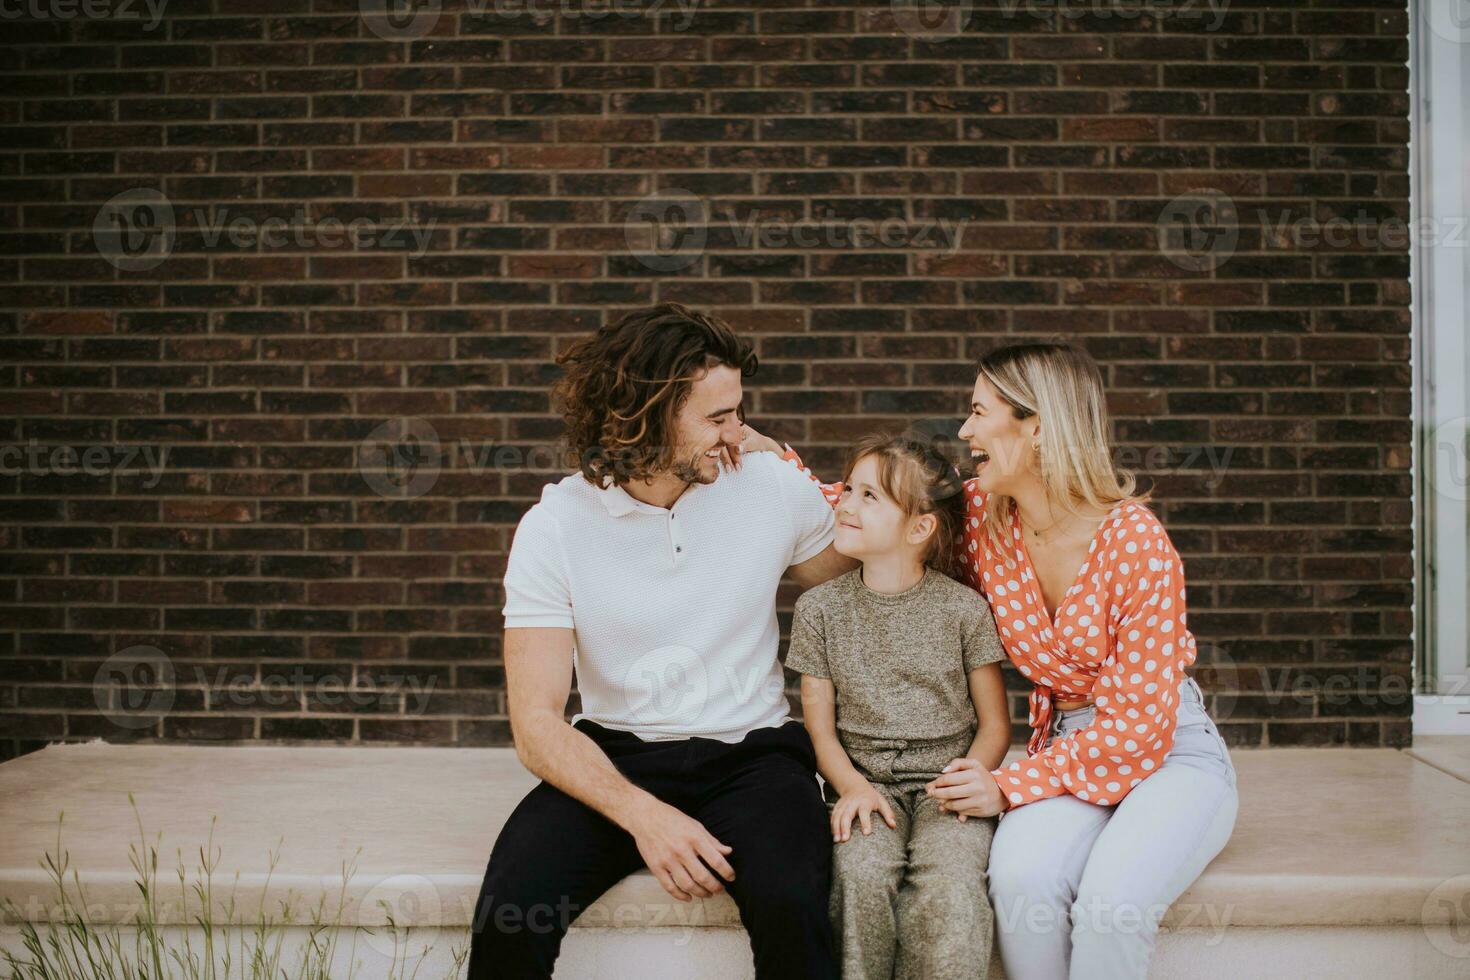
[618, 501]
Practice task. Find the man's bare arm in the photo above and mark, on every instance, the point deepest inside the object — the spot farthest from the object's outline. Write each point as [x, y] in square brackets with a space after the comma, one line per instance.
[538, 671]
[827, 564]
[538, 679]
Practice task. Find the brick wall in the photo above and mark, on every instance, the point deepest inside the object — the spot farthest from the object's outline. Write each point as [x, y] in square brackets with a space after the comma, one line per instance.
[203, 539]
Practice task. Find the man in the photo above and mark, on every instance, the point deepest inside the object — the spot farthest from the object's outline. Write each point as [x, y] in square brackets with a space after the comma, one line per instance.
[655, 575]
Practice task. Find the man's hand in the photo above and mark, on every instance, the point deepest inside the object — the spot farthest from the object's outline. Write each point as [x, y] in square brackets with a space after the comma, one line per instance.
[968, 789]
[859, 802]
[672, 844]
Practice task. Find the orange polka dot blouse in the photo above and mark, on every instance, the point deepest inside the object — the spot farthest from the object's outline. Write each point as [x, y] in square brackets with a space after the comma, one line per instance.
[1119, 637]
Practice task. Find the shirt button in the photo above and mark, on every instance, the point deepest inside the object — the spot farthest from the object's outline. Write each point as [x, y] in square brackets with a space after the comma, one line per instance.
[678, 549]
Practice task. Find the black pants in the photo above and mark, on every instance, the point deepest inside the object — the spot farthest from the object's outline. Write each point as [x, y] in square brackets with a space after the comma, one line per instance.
[556, 855]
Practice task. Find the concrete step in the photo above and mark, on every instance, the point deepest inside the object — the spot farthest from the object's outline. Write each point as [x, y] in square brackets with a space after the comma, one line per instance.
[1344, 862]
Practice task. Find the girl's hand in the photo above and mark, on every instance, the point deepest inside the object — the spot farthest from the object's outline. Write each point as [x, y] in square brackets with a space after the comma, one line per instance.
[968, 789]
[860, 803]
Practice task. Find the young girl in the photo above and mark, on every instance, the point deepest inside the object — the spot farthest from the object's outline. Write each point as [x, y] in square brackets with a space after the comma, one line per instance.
[898, 660]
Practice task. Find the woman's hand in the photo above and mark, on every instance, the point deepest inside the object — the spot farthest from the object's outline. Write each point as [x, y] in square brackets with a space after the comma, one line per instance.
[753, 442]
[967, 788]
[860, 803]
[756, 443]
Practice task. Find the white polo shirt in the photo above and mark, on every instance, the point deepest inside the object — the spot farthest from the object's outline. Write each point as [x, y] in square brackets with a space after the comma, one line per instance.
[674, 608]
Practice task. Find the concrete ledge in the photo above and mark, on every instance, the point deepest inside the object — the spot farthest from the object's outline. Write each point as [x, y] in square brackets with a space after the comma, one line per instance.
[1448, 753]
[1329, 843]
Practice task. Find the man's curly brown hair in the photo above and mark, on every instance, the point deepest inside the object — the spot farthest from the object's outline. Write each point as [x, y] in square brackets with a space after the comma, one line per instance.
[625, 384]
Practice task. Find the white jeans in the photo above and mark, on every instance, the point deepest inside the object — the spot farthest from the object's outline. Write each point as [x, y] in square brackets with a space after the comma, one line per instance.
[1078, 889]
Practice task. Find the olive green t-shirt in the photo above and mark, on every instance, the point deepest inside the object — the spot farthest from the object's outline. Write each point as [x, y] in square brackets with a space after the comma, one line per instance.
[898, 662]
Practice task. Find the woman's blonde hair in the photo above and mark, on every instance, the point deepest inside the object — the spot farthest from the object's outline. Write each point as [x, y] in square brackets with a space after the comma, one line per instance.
[1063, 386]
[921, 480]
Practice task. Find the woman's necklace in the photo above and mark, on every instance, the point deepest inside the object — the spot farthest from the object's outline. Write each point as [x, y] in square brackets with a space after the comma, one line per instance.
[1036, 531]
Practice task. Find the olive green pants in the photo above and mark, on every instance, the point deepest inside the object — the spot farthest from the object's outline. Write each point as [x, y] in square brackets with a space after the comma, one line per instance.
[913, 902]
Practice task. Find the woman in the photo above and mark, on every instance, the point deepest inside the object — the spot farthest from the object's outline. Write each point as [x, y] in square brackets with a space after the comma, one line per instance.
[1127, 790]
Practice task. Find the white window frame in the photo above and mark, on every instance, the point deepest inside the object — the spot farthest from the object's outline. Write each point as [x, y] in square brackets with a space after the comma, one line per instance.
[1439, 81]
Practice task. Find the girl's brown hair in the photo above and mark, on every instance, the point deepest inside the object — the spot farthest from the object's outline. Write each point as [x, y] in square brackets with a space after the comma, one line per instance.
[625, 384]
[921, 480]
